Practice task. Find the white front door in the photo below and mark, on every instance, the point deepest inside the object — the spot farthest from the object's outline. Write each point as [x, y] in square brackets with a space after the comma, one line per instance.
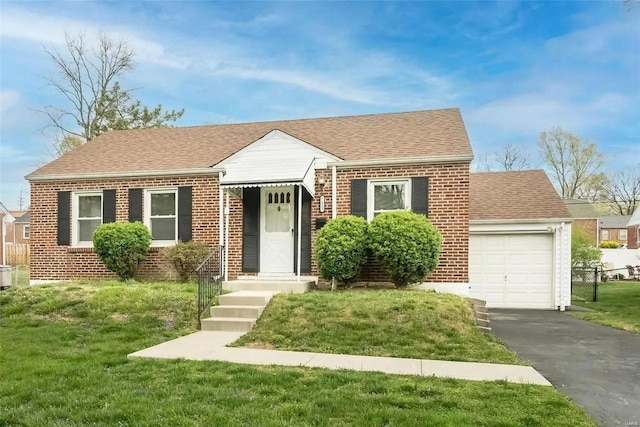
[276, 230]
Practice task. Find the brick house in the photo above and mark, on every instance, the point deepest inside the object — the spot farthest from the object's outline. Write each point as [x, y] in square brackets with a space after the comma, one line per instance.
[613, 228]
[633, 230]
[264, 189]
[18, 231]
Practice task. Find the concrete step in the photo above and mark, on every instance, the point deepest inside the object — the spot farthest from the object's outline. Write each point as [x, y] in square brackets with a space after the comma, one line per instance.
[482, 315]
[477, 302]
[227, 324]
[483, 322]
[484, 329]
[284, 286]
[240, 311]
[254, 298]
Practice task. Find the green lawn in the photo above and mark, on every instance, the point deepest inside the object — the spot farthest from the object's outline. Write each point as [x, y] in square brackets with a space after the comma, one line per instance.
[618, 306]
[63, 362]
[413, 324]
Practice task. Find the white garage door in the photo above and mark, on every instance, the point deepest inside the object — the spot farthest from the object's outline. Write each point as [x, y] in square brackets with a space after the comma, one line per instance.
[512, 270]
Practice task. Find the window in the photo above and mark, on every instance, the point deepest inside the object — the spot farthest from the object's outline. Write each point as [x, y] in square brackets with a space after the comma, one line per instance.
[87, 212]
[25, 232]
[161, 209]
[385, 196]
[622, 234]
[605, 234]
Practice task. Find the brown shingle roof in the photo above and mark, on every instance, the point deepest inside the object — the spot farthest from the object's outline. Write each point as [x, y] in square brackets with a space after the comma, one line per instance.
[376, 136]
[514, 195]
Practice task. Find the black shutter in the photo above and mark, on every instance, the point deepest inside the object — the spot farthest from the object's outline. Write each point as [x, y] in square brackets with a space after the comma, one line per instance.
[305, 235]
[184, 213]
[420, 195]
[359, 197]
[250, 230]
[64, 218]
[135, 204]
[108, 206]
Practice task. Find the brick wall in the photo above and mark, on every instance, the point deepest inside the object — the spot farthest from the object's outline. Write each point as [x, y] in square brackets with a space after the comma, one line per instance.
[448, 210]
[50, 261]
[632, 237]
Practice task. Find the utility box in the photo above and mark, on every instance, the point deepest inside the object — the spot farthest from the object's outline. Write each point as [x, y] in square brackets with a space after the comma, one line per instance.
[5, 276]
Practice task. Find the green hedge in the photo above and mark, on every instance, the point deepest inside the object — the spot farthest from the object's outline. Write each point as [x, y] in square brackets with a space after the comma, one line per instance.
[185, 257]
[406, 244]
[341, 248]
[122, 246]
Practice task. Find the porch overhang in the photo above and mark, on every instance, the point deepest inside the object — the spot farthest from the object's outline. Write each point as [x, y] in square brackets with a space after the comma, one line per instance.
[299, 171]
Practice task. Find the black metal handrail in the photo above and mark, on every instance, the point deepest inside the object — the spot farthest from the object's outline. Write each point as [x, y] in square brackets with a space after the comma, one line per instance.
[209, 280]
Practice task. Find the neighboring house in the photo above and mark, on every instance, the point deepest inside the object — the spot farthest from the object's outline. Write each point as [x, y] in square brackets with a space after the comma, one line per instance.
[633, 230]
[19, 231]
[264, 189]
[5, 219]
[585, 217]
[613, 228]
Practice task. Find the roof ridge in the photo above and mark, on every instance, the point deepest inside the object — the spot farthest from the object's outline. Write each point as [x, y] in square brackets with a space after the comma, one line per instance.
[393, 113]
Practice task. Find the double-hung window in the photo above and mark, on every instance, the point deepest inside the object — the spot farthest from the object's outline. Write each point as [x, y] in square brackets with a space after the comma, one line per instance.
[605, 234]
[623, 234]
[25, 232]
[388, 195]
[87, 210]
[161, 215]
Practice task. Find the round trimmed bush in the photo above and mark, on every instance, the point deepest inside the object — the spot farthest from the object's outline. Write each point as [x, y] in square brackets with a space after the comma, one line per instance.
[122, 246]
[406, 244]
[341, 248]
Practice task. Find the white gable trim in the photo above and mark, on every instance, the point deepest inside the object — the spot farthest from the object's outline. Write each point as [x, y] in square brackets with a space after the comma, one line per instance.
[274, 159]
[278, 134]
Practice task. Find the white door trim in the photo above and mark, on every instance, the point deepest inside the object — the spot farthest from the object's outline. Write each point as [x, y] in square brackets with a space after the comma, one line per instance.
[277, 245]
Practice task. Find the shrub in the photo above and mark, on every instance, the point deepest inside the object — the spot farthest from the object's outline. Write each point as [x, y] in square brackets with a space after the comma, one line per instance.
[341, 248]
[406, 244]
[584, 255]
[185, 257]
[609, 244]
[122, 246]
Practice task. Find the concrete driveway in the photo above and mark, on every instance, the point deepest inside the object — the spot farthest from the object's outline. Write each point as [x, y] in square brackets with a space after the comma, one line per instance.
[596, 366]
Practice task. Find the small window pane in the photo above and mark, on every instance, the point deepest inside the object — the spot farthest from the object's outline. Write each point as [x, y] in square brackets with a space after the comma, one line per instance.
[163, 228]
[26, 232]
[388, 197]
[163, 204]
[86, 227]
[89, 206]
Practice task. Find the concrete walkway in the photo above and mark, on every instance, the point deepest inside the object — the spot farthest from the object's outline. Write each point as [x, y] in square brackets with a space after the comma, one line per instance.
[211, 345]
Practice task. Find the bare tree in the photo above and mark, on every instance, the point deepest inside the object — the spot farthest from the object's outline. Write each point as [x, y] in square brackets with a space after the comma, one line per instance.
[571, 160]
[87, 79]
[622, 190]
[512, 158]
[481, 163]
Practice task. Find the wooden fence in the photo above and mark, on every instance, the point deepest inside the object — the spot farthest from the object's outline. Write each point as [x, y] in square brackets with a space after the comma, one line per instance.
[18, 254]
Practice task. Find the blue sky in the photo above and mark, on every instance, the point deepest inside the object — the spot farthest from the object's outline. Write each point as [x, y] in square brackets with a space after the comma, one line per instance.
[514, 69]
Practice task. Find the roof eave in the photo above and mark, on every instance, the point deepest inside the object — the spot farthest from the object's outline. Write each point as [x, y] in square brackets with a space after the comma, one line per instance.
[33, 177]
[518, 221]
[454, 158]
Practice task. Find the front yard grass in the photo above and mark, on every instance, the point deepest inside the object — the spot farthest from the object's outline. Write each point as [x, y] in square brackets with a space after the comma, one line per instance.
[396, 323]
[63, 362]
[618, 306]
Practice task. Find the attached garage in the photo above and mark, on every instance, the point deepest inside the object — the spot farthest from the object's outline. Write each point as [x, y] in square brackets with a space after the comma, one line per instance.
[519, 241]
[512, 270]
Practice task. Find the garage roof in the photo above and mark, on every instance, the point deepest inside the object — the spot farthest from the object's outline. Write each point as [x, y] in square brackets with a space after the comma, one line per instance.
[514, 195]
